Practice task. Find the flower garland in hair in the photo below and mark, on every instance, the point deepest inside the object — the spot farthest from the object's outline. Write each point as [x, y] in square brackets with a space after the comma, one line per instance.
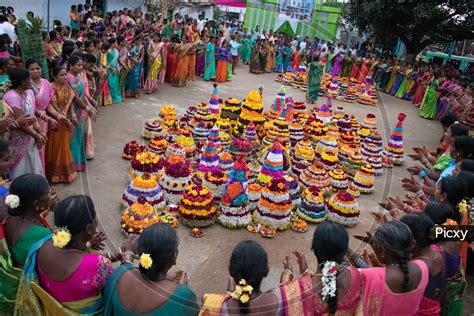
[61, 237]
[146, 261]
[328, 280]
[242, 292]
[463, 207]
[12, 201]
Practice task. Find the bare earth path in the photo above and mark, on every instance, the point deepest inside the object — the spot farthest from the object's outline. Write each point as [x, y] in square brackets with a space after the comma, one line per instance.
[206, 259]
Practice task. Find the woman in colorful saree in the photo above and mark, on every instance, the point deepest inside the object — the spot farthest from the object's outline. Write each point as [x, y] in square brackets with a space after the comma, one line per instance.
[147, 289]
[154, 53]
[248, 266]
[62, 276]
[104, 97]
[113, 72]
[456, 282]
[182, 64]
[24, 226]
[435, 291]
[304, 295]
[82, 110]
[43, 91]
[210, 60]
[396, 288]
[60, 166]
[24, 140]
[132, 82]
[258, 58]
[315, 72]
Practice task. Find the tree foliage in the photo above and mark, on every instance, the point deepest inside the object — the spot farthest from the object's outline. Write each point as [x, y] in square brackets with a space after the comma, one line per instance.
[417, 22]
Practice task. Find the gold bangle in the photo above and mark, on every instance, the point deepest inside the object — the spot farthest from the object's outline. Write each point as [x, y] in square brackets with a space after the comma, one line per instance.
[308, 270]
[286, 276]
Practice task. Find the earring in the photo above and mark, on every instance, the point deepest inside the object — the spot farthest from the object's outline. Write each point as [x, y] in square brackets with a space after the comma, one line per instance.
[88, 244]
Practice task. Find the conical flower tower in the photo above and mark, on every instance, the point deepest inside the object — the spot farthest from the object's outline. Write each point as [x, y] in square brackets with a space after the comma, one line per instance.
[272, 167]
[209, 159]
[250, 134]
[393, 153]
[274, 207]
[277, 105]
[214, 105]
[235, 203]
[215, 138]
[252, 111]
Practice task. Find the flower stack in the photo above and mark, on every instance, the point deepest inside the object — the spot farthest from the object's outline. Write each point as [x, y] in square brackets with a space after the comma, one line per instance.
[145, 161]
[234, 208]
[209, 160]
[344, 124]
[294, 190]
[304, 151]
[203, 115]
[324, 114]
[151, 128]
[327, 143]
[158, 145]
[200, 132]
[299, 112]
[187, 141]
[215, 138]
[274, 206]
[147, 186]
[225, 161]
[339, 180]
[272, 167]
[176, 177]
[252, 111]
[347, 150]
[254, 193]
[343, 209]
[393, 153]
[312, 207]
[329, 160]
[316, 130]
[138, 216]
[353, 164]
[215, 180]
[167, 110]
[369, 122]
[214, 105]
[296, 132]
[277, 105]
[175, 150]
[351, 94]
[376, 163]
[239, 147]
[130, 150]
[364, 179]
[231, 111]
[250, 134]
[315, 176]
[299, 167]
[196, 207]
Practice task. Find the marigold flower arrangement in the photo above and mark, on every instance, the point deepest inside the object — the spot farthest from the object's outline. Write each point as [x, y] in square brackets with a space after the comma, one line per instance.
[61, 237]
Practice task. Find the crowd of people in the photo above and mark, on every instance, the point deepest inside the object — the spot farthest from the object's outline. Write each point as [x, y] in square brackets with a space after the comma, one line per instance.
[47, 138]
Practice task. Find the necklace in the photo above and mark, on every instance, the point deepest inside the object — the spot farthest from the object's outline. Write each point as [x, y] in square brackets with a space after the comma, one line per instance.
[31, 220]
[37, 86]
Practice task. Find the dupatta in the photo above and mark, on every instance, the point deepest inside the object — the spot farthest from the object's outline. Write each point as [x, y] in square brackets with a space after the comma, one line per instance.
[32, 299]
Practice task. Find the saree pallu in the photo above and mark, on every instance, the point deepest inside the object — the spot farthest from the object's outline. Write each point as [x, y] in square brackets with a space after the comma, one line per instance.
[60, 166]
[279, 63]
[315, 72]
[32, 299]
[411, 87]
[192, 67]
[443, 106]
[401, 90]
[229, 71]
[355, 71]
[420, 91]
[182, 72]
[391, 81]
[122, 78]
[209, 63]
[454, 300]
[78, 145]
[170, 66]
[43, 98]
[104, 97]
[151, 83]
[132, 82]
[364, 71]
[200, 57]
[396, 84]
[428, 106]
[270, 59]
[113, 76]
[296, 298]
[26, 157]
[221, 71]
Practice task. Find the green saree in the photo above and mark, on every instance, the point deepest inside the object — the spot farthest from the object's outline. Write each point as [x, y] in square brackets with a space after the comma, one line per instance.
[315, 72]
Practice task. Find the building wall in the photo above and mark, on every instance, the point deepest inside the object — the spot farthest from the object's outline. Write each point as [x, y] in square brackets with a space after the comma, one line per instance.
[263, 13]
[195, 11]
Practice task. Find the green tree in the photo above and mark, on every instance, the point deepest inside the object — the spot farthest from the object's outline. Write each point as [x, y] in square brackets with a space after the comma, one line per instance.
[417, 22]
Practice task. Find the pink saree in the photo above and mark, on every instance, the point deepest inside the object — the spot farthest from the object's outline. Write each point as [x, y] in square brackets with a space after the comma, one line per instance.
[378, 299]
[43, 97]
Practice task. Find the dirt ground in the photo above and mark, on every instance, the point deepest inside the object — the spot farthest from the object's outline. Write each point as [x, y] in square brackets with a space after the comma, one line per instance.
[206, 259]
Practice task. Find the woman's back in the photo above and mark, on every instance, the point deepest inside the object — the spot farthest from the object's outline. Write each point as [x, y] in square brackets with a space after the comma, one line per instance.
[383, 294]
[128, 293]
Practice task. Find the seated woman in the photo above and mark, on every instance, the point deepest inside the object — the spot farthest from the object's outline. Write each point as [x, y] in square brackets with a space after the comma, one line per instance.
[70, 276]
[305, 295]
[248, 266]
[405, 281]
[456, 282]
[148, 290]
[419, 224]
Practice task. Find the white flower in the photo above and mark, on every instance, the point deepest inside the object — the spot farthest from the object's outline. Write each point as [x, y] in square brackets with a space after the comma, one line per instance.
[329, 280]
[12, 200]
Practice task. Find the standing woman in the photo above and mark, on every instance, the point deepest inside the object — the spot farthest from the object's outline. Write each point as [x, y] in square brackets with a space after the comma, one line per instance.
[287, 50]
[182, 65]
[428, 105]
[170, 60]
[24, 140]
[103, 91]
[154, 58]
[74, 18]
[210, 60]
[47, 116]
[124, 64]
[113, 71]
[60, 166]
[315, 72]
[270, 57]
[200, 57]
[222, 58]
[279, 59]
[164, 55]
[132, 82]
[83, 111]
[423, 81]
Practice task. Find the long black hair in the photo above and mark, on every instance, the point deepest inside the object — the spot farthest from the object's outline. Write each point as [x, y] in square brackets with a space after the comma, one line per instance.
[18, 76]
[419, 224]
[29, 188]
[439, 212]
[455, 190]
[330, 243]
[160, 241]
[75, 213]
[248, 261]
[397, 240]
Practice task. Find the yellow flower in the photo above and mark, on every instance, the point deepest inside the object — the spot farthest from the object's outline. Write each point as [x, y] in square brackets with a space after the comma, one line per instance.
[248, 288]
[146, 261]
[61, 238]
[244, 298]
